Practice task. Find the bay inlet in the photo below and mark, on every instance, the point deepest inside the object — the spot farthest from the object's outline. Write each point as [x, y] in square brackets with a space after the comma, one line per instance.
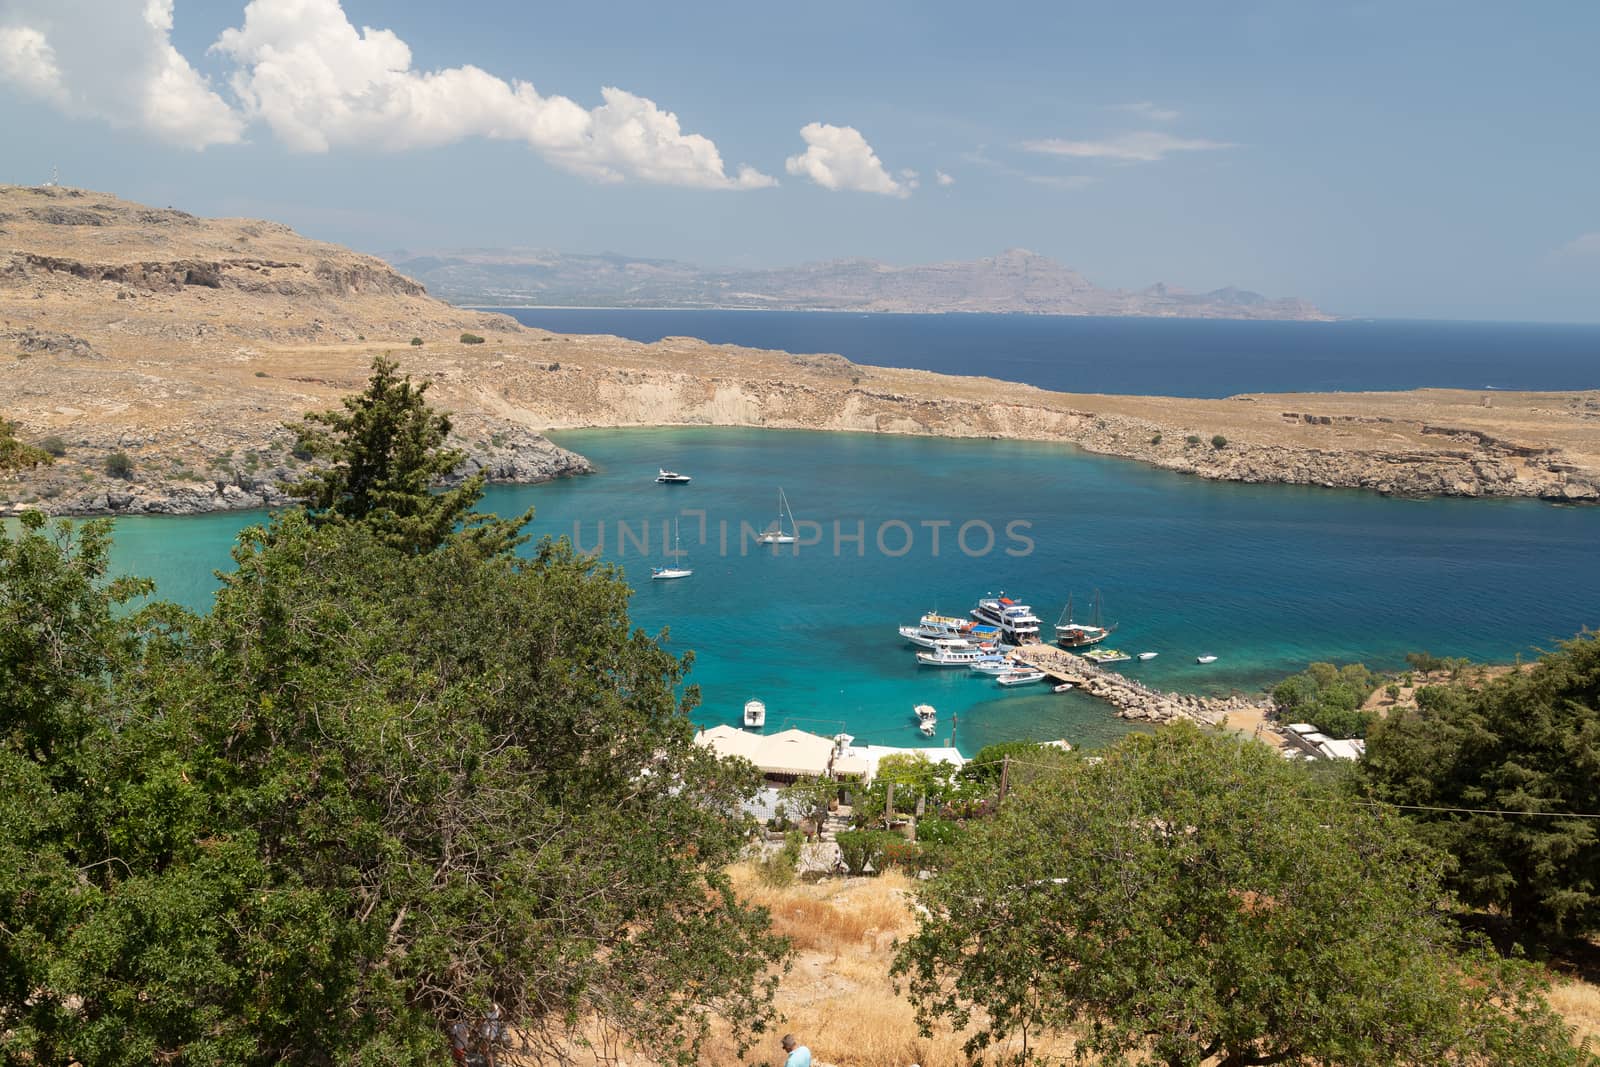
[1267, 578]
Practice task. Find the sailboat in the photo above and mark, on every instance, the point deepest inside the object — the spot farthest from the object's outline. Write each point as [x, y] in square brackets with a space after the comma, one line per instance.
[1071, 634]
[777, 536]
[674, 569]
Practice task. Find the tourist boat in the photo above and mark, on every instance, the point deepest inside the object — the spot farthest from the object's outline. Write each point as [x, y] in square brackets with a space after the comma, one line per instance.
[1106, 655]
[932, 624]
[926, 638]
[1064, 687]
[951, 657]
[675, 570]
[1020, 677]
[1148, 655]
[667, 477]
[1070, 634]
[1207, 658]
[926, 715]
[755, 714]
[777, 535]
[1017, 622]
[992, 665]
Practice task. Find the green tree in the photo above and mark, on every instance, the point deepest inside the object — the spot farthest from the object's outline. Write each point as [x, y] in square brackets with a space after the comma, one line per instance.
[808, 799]
[118, 465]
[1190, 898]
[384, 453]
[375, 790]
[1527, 742]
[14, 454]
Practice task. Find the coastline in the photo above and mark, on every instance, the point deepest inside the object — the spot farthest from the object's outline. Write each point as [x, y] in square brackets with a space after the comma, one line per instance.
[1462, 443]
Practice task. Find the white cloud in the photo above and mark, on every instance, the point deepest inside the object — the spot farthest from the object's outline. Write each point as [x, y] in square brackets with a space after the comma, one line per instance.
[1582, 246]
[320, 83]
[942, 178]
[1070, 182]
[1145, 146]
[28, 61]
[302, 69]
[114, 62]
[839, 158]
[1146, 109]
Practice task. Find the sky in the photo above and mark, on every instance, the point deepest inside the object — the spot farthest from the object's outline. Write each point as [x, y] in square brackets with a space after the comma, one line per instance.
[1408, 158]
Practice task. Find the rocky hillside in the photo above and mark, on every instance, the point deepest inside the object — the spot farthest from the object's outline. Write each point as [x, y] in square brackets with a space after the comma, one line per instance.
[159, 357]
[138, 330]
[1014, 281]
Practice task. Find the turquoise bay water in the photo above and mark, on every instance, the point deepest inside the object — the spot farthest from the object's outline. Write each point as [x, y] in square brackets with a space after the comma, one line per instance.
[1267, 578]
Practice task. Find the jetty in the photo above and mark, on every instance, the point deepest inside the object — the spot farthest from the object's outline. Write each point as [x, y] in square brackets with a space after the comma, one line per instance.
[1132, 699]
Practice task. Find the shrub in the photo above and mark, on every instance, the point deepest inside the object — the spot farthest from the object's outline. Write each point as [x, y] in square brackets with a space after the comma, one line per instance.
[863, 848]
[902, 854]
[1219, 441]
[471, 339]
[55, 446]
[778, 869]
[1392, 691]
[416, 341]
[1192, 439]
[1156, 440]
[118, 465]
[261, 374]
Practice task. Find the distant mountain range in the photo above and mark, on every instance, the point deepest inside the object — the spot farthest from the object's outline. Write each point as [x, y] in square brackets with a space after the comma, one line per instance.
[1014, 281]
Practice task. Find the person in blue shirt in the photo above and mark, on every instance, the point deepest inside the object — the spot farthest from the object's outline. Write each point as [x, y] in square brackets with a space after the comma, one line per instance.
[799, 1055]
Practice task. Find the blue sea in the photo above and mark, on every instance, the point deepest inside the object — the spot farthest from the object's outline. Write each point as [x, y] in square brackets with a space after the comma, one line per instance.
[1267, 578]
[1165, 357]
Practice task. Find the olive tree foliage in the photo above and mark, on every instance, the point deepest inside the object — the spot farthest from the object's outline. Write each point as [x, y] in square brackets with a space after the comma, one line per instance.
[1528, 742]
[379, 788]
[1191, 899]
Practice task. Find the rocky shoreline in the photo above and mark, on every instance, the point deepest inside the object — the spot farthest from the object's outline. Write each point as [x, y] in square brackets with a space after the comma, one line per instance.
[513, 456]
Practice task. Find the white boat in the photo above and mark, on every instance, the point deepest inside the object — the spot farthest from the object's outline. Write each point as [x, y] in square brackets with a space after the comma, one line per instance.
[927, 719]
[1017, 622]
[951, 657]
[927, 728]
[1148, 655]
[777, 535]
[1106, 655]
[992, 665]
[1064, 687]
[1208, 658]
[943, 638]
[1073, 635]
[1020, 677]
[675, 570]
[755, 714]
[667, 477]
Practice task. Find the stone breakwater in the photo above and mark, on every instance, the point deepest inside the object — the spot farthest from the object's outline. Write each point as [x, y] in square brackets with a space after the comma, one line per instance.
[1133, 700]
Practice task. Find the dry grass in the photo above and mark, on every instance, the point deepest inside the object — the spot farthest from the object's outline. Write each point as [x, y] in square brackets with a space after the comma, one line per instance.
[838, 997]
[1579, 1003]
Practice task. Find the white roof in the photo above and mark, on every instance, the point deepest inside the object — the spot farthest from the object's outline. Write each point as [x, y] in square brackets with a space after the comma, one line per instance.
[871, 755]
[1317, 739]
[851, 767]
[1302, 728]
[786, 752]
[1342, 749]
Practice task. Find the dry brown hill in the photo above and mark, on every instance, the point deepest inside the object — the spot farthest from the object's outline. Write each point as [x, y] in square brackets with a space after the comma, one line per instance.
[186, 343]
